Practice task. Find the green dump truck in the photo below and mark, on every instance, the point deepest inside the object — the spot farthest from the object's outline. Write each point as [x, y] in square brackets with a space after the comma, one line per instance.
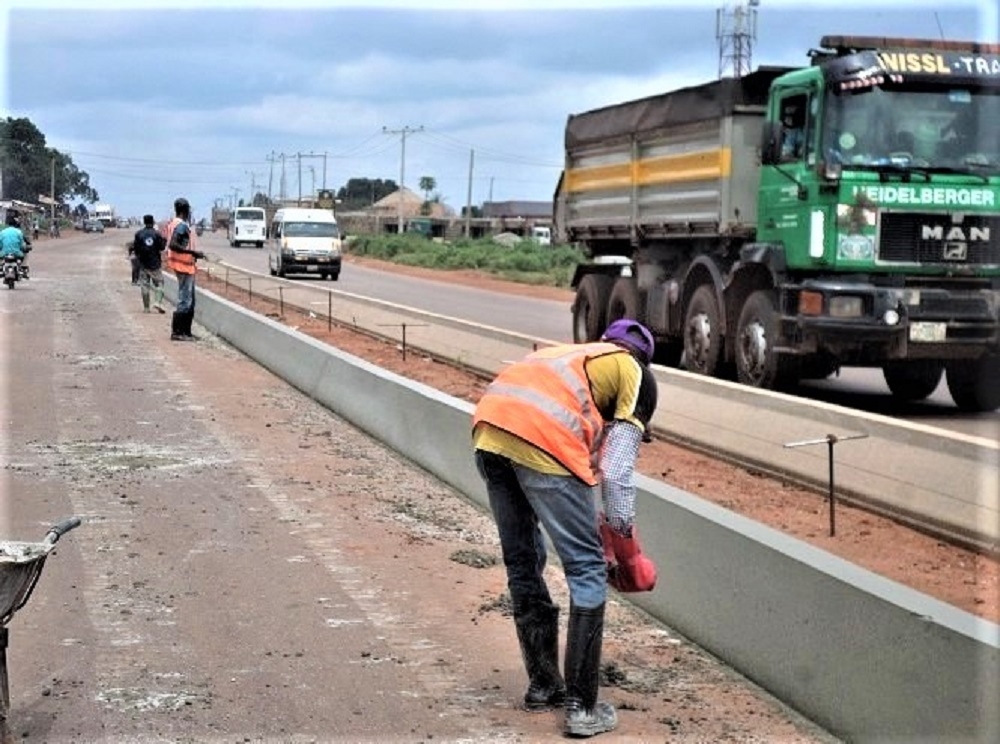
[784, 224]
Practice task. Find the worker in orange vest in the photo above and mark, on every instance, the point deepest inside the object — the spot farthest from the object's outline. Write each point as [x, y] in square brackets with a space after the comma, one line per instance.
[548, 430]
[181, 259]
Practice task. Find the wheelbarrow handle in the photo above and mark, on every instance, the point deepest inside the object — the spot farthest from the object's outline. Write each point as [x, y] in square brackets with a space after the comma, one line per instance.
[58, 530]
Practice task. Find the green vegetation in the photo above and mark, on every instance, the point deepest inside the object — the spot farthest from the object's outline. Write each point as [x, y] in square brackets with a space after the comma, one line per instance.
[527, 262]
[30, 167]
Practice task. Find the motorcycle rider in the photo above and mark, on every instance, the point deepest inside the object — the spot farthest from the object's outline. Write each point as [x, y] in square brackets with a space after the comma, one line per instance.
[13, 242]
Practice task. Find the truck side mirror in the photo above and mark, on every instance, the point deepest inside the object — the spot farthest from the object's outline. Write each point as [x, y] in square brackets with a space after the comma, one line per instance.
[770, 148]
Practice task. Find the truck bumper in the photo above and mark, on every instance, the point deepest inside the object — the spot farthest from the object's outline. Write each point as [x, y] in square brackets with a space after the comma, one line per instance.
[930, 323]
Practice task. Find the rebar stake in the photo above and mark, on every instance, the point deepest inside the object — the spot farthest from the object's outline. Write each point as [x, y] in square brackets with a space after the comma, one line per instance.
[829, 440]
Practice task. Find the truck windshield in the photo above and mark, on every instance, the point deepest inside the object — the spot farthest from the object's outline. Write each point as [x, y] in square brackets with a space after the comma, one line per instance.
[310, 230]
[922, 127]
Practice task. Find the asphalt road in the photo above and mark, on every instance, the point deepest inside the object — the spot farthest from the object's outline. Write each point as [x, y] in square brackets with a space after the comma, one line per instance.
[861, 389]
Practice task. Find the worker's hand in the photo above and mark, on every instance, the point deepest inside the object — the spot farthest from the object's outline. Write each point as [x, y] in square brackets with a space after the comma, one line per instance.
[199, 254]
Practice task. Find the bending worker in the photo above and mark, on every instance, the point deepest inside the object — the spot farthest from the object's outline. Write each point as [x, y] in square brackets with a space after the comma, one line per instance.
[543, 432]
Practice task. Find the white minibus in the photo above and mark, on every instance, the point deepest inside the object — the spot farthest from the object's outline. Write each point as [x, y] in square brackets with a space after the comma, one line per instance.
[304, 241]
[249, 226]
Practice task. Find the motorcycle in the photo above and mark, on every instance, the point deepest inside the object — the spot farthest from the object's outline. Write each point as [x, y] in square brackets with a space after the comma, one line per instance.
[11, 270]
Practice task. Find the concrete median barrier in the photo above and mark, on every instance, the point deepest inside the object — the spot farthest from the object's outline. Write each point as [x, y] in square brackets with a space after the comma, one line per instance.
[866, 658]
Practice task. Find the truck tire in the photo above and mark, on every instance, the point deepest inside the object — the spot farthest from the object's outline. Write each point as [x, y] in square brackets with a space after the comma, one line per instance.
[758, 364]
[703, 332]
[912, 381]
[590, 307]
[625, 301]
[973, 383]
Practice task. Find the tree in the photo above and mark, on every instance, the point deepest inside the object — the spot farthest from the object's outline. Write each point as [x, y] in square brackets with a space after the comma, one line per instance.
[361, 193]
[28, 166]
[427, 185]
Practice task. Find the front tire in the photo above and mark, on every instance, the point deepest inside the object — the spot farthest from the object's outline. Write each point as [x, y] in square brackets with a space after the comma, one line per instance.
[703, 332]
[912, 381]
[758, 362]
[590, 307]
[973, 383]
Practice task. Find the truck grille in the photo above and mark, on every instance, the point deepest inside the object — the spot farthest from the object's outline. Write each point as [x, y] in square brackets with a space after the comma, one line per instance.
[935, 238]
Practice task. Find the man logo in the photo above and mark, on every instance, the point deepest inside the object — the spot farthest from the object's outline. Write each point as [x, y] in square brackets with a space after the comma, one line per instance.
[955, 251]
[955, 233]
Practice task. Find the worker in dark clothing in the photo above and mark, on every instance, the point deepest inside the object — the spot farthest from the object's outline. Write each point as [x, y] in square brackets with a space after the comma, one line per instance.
[147, 253]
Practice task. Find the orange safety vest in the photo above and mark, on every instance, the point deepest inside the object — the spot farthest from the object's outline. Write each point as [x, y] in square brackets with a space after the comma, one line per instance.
[179, 263]
[545, 400]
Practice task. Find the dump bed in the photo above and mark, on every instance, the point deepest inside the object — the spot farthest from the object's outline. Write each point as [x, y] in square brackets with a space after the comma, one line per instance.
[673, 165]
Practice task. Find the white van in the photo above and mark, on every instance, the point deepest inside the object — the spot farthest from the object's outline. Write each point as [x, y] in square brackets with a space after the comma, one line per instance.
[304, 241]
[541, 234]
[249, 226]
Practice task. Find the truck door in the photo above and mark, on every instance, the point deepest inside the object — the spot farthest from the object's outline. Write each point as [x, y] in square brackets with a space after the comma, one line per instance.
[787, 203]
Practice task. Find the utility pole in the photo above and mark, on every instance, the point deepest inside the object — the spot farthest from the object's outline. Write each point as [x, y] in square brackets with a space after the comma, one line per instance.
[270, 175]
[298, 157]
[283, 182]
[52, 188]
[312, 195]
[468, 197]
[253, 186]
[402, 169]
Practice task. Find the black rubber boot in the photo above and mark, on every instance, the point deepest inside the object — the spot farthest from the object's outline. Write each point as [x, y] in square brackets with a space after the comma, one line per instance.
[188, 319]
[538, 633]
[176, 327]
[585, 716]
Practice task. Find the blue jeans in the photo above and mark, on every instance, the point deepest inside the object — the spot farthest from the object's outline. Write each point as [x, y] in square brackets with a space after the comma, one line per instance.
[185, 293]
[523, 501]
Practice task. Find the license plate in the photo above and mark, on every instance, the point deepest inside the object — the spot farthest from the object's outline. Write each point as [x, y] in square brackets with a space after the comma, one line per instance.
[928, 332]
[312, 268]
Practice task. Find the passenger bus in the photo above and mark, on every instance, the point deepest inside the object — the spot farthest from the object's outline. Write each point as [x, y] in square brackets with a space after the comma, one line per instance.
[249, 225]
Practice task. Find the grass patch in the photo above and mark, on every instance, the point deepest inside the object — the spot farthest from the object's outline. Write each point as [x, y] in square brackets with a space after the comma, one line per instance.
[527, 262]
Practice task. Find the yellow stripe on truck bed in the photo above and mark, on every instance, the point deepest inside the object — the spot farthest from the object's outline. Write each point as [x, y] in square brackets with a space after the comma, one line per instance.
[696, 166]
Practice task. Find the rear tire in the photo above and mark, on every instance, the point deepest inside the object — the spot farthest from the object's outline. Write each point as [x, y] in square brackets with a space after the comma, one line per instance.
[913, 380]
[703, 332]
[590, 307]
[625, 301]
[973, 383]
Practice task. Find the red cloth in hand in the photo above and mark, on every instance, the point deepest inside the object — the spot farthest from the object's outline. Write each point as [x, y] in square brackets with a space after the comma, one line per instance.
[629, 570]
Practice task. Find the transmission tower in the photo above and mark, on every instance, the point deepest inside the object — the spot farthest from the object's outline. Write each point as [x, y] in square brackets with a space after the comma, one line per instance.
[736, 32]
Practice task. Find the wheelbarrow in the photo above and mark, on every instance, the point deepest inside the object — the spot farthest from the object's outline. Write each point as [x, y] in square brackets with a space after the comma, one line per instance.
[21, 565]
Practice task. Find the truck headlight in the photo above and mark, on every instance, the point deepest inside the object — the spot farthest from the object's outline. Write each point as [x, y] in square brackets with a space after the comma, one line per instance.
[845, 306]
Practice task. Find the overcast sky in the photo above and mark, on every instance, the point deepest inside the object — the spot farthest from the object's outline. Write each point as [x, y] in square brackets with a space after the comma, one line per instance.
[202, 99]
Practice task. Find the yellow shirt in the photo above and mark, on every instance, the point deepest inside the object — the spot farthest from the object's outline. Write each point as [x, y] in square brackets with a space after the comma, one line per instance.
[614, 380]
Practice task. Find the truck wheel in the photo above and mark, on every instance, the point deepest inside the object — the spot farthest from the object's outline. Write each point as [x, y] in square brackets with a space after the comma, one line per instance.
[702, 332]
[280, 270]
[757, 362]
[625, 301]
[973, 383]
[590, 307]
[911, 381]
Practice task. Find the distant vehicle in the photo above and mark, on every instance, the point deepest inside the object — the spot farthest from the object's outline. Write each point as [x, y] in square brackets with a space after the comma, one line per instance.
[93, 225]
[541, 234]
[304, 241]
[105, 213]
[249, 225]
[122, 222]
